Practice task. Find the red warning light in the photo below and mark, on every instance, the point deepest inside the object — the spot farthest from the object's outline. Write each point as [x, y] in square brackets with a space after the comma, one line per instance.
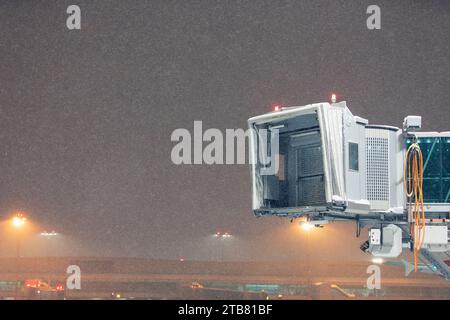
[276, 108]
[333, 97]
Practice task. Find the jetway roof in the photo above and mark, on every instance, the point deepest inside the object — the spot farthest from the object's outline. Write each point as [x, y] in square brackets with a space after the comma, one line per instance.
[288, 112]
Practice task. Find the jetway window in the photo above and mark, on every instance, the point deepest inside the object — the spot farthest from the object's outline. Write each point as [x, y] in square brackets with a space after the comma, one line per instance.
[436, 168]
[353, 158]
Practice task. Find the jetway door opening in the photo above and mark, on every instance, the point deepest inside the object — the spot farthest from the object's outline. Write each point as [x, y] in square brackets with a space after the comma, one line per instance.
[299, 181]
[305, 170]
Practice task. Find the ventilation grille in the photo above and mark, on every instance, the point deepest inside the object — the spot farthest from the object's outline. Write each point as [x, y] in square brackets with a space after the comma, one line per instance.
[377, 151]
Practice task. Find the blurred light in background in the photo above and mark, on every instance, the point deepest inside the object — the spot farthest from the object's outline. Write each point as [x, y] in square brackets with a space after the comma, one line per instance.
[18, 221]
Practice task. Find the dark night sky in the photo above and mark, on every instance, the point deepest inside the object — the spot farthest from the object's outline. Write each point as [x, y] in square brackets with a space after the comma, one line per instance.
[86, 116]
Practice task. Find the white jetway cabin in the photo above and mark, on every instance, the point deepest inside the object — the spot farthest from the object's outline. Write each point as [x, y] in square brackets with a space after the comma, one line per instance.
[329, 161]
[323, 163]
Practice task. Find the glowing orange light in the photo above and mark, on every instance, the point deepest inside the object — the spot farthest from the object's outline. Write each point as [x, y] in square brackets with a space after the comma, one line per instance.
[18, 221]
[306, 226]
[276, 107]
[333, 97]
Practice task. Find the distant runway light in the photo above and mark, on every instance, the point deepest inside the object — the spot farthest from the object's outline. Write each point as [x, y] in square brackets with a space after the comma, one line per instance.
[306, 226]
[377, 260]
[18, 221]
[221, 235]
[48, 234]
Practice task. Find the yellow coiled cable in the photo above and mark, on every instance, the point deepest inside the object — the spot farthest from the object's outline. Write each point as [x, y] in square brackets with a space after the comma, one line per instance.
[413, 183]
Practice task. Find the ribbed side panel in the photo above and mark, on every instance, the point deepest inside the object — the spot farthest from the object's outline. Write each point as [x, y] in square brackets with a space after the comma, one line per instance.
[377, 168]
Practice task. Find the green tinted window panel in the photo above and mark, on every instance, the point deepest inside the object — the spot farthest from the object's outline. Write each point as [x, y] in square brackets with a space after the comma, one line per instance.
[353, 156]
[446, 190]
[431, 152]
[445, 146]
[432, 190]
[436, 159]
